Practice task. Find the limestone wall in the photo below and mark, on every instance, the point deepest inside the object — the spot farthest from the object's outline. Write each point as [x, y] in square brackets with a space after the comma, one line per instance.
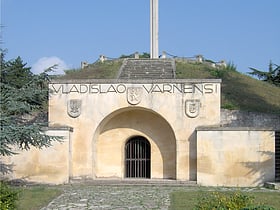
[235, 157]
[46, 165]
[105, 114]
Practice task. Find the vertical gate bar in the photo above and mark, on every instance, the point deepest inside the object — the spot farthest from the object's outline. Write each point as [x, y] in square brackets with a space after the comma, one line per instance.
[126, 160]
[132, 163]
[145, 160]
[139, 155]
[134, 145]
[136, 160]
[142, 159]
[128, 169]
[141, 148]
[131, 153]
[135, 169]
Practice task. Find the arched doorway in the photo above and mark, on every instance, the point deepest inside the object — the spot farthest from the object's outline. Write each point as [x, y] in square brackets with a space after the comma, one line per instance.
[118, 128]
[138, 158]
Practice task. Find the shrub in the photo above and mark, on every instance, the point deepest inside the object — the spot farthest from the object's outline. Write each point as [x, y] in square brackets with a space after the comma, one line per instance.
[218, 73]
[8, 197]
[229, 201]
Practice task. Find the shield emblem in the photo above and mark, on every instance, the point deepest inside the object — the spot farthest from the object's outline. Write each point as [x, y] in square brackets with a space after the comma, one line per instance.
[134, 95]
[74, 108]
[192, 108]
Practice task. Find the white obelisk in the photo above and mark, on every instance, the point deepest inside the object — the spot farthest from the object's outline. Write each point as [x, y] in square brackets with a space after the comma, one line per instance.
[153, 29]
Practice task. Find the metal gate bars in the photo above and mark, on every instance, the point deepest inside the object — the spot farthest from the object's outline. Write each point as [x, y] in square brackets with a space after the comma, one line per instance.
[277, 156]
[138, 158]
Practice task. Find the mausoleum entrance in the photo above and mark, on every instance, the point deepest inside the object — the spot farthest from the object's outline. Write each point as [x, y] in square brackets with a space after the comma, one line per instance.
[135, 143]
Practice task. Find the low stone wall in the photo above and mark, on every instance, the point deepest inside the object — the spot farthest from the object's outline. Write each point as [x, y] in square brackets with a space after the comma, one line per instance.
[237, 118]
[47, 165]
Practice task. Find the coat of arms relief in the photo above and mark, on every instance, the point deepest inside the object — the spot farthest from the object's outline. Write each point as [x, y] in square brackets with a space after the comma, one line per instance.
[192, 107]
[134, 95]
[74, 108]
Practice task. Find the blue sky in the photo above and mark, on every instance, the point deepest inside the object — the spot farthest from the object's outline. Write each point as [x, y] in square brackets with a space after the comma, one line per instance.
[45, 32]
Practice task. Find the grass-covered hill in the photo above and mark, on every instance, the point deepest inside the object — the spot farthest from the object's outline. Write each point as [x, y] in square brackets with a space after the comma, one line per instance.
[239, 91]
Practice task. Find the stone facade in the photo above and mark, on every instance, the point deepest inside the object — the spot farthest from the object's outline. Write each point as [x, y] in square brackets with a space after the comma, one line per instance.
[111, 112]
[105, 115]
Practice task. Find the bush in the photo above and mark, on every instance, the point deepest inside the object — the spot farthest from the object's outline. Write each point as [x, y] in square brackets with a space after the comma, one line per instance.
[228, 201]
[218, 73]
[8, 197]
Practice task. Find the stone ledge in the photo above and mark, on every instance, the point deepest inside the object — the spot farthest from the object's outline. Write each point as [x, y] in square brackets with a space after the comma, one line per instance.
[61, 128]
[272, 185]
[217, 128]
[132, 181]
[128, 81]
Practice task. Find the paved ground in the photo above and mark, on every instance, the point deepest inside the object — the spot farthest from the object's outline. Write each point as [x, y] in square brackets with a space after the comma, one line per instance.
[118, 196]
[113, 197]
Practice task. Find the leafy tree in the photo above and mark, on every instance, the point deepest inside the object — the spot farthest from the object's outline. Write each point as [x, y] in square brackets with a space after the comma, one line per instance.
[272, 76]
[23, 100]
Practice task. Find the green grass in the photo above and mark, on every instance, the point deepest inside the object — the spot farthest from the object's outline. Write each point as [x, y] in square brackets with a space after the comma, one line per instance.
[34, 198]
[239, 91]
[187, 200]
[98, 70]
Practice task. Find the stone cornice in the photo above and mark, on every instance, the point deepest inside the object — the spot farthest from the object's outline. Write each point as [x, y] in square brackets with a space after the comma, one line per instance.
[124, 81]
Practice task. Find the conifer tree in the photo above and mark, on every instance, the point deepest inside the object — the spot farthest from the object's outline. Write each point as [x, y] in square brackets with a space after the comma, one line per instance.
[23, 100]
[272, 76]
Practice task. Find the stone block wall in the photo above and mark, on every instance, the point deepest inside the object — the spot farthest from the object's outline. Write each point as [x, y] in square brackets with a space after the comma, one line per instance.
[237, 118]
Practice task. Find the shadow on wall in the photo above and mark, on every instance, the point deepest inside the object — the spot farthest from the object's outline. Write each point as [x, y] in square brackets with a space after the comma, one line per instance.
[193, 157]
[262, 170]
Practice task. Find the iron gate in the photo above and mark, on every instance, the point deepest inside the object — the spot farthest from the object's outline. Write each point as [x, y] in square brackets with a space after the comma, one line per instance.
[277, 156]
[138, 158]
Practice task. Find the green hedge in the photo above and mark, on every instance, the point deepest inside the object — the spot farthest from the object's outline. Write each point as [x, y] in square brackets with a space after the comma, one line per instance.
[8, 197]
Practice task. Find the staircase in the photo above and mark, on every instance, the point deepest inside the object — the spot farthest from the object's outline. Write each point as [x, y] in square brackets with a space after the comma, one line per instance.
[277, 156]
[147, 69]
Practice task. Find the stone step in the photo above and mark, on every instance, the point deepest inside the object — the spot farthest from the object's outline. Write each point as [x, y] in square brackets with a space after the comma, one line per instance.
[147, 69]
[131, 181]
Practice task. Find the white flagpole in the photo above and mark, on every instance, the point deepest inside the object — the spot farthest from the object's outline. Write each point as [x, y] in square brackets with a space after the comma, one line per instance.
[154, 29]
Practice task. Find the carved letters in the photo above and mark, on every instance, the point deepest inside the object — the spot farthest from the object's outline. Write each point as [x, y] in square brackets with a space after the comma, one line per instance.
[201, 89]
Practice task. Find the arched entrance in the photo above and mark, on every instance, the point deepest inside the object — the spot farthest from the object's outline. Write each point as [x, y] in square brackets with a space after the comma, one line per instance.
[120, 130]
[138, 158]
